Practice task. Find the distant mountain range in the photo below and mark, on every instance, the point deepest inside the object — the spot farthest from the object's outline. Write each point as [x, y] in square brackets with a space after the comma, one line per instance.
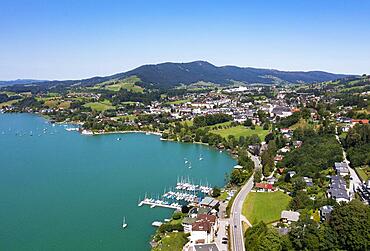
[19, 81]
[167, 75]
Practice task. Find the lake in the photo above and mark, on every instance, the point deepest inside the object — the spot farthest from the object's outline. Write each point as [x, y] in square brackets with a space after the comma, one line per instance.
[60, 190]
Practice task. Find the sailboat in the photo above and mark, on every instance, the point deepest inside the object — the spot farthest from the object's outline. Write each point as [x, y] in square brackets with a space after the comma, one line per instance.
[200, 157]
[124, 224]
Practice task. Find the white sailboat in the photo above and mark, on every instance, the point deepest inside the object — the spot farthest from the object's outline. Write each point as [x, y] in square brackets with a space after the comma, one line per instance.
[124, 224]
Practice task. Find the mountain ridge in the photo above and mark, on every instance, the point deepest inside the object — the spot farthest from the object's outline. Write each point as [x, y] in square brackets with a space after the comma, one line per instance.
[169, 74]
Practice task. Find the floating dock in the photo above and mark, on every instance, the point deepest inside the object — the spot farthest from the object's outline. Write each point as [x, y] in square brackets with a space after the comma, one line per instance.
[152, 203]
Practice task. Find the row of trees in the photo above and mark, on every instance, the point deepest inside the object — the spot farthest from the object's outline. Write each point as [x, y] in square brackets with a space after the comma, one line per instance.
[211, 119]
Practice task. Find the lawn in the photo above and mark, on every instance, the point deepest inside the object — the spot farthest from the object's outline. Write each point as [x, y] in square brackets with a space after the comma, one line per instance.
[240, 130]
[265, 207]
[172, 242]
[188, 122]
[301, 123]
[363, 172]
[100, 106]
[178, 102]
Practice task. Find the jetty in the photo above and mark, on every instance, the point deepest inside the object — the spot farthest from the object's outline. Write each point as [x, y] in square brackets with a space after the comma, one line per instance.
[159, 203]
[157, 224]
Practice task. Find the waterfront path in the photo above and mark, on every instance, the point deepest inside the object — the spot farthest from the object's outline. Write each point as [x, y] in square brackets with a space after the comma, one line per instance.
[236, 217]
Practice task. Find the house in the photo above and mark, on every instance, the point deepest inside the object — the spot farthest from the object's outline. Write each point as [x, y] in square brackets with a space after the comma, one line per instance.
[187, 223]
[291, 173]
[308, 181]
[283, 230]
[201, 247]
[325, 212]
[289, 216]
[338, 190]
[341, 168]
[203, 229]
[201, 232]
[278, 157]
[297, 144]
[285, 130]
[264, 187]
[206, 247]
[209, 202]
[272, 180]
[281, 111]
[360, 121]
[285, 149]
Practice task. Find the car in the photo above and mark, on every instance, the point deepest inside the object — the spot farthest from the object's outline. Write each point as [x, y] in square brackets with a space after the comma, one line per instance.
[224, 238]
[224, 242]
[234, 226]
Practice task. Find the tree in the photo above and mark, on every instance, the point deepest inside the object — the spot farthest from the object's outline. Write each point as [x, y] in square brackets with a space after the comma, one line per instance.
[258, 176]
[248, 122]
[216, 192]
[261, 237]
[351, 222]
[300, 200]
[304, 234]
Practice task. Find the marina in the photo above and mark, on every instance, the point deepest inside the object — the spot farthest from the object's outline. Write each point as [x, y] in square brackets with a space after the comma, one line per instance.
[184, 193]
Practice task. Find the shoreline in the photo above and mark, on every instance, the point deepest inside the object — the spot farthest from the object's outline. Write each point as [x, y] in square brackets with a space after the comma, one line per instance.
[123, 132]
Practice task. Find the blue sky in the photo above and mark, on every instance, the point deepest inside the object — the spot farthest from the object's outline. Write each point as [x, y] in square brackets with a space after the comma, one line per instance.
[77, 39]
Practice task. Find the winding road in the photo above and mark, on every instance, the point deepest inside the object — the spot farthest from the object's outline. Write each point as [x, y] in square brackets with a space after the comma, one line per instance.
[236, 226]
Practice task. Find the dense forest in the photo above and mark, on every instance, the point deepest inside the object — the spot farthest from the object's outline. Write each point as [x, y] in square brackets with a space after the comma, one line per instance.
[357, 143]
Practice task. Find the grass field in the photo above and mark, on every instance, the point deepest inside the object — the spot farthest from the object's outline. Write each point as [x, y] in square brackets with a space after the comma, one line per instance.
[178, 102]
[100, 106]
[240, 130]
[172, 242]
[301, 123]
[8, 103]
[265, 207]
[127, 83]
[363, 172]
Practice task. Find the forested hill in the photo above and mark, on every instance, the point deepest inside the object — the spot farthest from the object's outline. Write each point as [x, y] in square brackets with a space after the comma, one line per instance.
[168, 74]
[171, 74]
[18, 81]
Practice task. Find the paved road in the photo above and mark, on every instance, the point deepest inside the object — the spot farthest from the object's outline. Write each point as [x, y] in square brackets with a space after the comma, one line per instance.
[236, 227]
[355, 181]
[221, 234]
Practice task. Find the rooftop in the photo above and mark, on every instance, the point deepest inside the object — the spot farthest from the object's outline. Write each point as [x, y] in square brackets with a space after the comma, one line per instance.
[290, 215]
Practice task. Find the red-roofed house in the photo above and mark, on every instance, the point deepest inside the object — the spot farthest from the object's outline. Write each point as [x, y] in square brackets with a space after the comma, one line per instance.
[360, 121]
[264, 187]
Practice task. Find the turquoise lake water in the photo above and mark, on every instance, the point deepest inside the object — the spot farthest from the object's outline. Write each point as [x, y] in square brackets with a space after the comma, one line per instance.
[60, 190]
